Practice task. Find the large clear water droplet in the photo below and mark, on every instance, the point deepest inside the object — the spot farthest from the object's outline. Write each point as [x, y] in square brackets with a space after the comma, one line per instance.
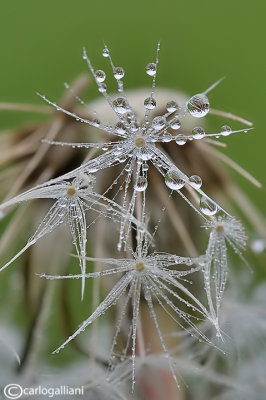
[151, 69]
[119, 73]
[198, 105]
[149, 103]
[226, 130]
[181, 140]
[120, 105]
[171, 106]
[195, 181]
[207, 206]
[120, 127]
[198, 132]
[173, 180]
[100, 76]
[141, 184]
[175, 123]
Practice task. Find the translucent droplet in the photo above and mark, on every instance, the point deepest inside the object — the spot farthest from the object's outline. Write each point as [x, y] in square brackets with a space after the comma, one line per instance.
[175, 123]
[105, 52]
[226, 130]
[173, 180]
[145, 167]
[171, 106]
[151, 69]
[102, 88]
[207, 206]
[120, 127]
[119, 73]
[149, 103]
[158, 123]
[96, 122]
[134, 127]
[100, 76]
[145, 154]
[195, 181]
[198, 105]
[167, 137]
[198, 132]
[120, 105]
[181, 140]
[141, 184]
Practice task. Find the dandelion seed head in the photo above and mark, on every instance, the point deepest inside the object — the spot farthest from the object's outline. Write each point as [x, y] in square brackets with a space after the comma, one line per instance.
[71, 191]
[140, 266]
[140, 141]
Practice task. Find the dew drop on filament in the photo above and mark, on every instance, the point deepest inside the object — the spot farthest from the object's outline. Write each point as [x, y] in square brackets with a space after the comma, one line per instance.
[149, 103]
[198, 133]
[195, 181]
[105, 53]
[198, 105]
[226, 130]
[171, 106]
[151, 69]
[141, 184]
[173, 180]
[120, 105]
[207, 206]
[100, 76]
[119, 73]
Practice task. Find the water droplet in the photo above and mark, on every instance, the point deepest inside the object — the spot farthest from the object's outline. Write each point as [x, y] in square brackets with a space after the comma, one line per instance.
[105, 52]
[145, 154]
[102, 88]
[198, 132]
[100, 76]
[175, 123]
[134, 127]
[158, 123]
[195, 181]
[96, 122]
[120, 105]
[151, 69]
[171, 106]
[141, 184]
[198, 105]
[167, 137]
[207, 206]
[173, 180]
[120, 127]
[181, 140]
[149, 103]
[145, 167]
[119, 73]
[226, 130]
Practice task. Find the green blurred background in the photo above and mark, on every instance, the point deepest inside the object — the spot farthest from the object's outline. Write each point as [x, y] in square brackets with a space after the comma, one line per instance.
[201, 41]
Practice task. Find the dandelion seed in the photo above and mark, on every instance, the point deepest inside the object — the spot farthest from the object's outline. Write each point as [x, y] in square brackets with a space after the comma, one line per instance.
[137, 139]
[72, 200]
[158, 276]
[224, 231]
